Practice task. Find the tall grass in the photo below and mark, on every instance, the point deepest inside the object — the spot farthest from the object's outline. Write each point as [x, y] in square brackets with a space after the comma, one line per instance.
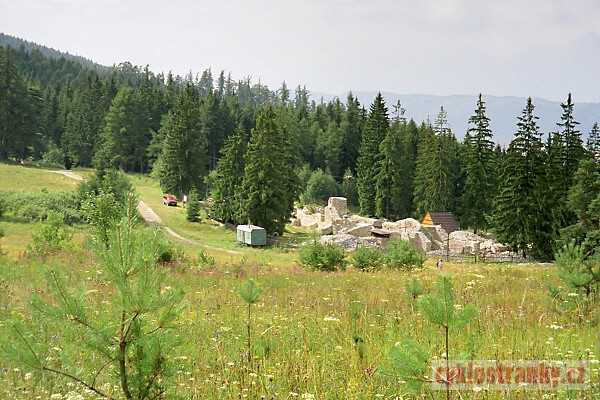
[304, 327]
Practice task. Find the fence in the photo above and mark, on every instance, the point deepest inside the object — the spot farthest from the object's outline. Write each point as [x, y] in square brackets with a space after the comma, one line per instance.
[484, 258]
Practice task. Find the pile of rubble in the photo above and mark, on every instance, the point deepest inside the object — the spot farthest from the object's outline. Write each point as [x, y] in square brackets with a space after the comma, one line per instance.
[352, 231]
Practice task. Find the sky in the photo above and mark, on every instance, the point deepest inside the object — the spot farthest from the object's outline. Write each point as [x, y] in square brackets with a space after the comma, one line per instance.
[538, 48]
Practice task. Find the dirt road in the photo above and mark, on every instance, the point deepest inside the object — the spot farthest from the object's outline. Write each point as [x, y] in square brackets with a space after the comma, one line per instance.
[153, 218]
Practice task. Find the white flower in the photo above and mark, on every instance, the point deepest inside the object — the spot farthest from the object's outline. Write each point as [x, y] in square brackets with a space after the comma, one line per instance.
[56, 396]
[308, 396]
[331, 319]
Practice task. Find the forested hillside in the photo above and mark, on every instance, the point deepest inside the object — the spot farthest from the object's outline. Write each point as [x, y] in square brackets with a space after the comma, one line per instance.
[256, 151]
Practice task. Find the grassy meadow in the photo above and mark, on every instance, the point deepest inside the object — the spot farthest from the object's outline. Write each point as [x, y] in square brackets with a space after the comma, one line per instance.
[314, 335]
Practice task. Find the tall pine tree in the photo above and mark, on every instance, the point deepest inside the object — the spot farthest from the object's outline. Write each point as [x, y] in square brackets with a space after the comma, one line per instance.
[182, 165]
[264, 190]
[437, 169]
[393, 183]
[375, 131]
[593, 142]
[480, 170]
[521, 214]
[229, 172]
[572, 144]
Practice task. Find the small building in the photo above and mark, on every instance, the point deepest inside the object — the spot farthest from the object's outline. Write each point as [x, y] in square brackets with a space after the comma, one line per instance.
[252, 235]
[444, 219]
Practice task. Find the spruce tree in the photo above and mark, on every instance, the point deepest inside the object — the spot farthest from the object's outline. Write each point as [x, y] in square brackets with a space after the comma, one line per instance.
[565, 152]
[120, 138]
[328, 151]
[182, 164]
[480, 170]
[593, 142]
[584, 202]
[84, 121]
[265, 198]
[352, 125]
[288, 142]
[229, 178]
[573, 151]
[390, 200]
[375, 131]
[436, 172]
[521, 216]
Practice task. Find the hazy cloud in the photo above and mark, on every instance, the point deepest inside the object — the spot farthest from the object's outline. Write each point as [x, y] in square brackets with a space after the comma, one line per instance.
[533, 47]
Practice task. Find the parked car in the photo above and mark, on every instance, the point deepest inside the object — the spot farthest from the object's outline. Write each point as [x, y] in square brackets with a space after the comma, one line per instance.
[169, 200]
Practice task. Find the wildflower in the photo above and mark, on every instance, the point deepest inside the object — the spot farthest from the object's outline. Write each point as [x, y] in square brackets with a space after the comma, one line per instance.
[308, 396]
[74, 396]
[331, 319]
[56, 396]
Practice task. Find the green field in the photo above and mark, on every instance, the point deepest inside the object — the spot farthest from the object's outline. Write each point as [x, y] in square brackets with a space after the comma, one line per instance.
[314, 335]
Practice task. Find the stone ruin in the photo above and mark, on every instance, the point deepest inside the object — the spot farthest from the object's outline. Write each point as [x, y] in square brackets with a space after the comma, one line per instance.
[352, 231]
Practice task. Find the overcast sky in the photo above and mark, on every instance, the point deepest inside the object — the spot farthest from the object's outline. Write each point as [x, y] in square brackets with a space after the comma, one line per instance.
[538, 48]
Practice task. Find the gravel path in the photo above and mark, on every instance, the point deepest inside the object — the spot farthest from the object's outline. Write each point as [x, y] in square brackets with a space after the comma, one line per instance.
[152, 218]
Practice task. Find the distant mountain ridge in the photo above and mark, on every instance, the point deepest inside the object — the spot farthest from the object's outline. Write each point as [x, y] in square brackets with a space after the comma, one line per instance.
[16, 42]
[502, 111]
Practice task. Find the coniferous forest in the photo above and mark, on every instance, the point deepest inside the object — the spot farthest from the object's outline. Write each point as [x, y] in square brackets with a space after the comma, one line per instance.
[257, 152]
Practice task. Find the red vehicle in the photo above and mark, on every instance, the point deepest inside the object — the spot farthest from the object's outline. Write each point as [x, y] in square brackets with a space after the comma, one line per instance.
[169, 200]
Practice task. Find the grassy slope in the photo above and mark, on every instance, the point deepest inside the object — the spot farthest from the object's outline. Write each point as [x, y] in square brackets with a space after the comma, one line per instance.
[31, 179]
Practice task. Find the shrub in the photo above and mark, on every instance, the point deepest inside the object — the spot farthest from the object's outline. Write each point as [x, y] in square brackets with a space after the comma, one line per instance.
[50, 235]
[35, 206]
[320, 187]
[402, 255]
[367, 258]
[101, 211]
[114, 181]
[168, 252]
[323, 257]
